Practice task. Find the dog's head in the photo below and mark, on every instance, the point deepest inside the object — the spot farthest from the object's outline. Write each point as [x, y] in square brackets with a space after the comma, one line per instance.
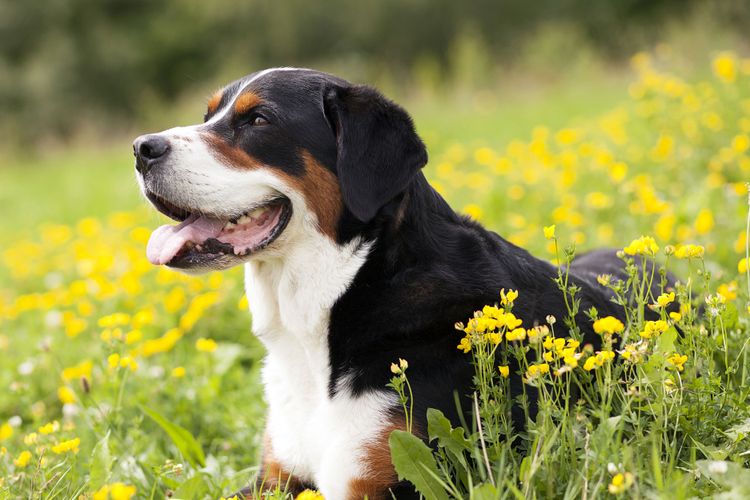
[281, 153]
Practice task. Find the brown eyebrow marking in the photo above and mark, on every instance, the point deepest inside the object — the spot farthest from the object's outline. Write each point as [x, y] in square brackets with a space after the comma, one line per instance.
[213, 102]
[246, 102]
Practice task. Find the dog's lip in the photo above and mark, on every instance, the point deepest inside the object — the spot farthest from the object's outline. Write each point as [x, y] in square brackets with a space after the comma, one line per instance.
[203, 240]
[166, 207]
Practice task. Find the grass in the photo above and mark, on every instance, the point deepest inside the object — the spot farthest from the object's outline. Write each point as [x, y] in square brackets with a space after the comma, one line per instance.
[123, 378]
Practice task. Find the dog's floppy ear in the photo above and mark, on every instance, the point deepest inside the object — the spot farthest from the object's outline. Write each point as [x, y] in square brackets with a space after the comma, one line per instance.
[378, 150]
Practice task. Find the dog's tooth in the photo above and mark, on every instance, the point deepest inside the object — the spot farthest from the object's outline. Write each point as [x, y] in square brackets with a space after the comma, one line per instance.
[243, 220]
[258, 212]
[229, 225]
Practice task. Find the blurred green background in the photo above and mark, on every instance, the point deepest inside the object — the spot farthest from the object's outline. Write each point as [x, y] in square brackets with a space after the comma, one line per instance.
[70, 68]
[80, 78]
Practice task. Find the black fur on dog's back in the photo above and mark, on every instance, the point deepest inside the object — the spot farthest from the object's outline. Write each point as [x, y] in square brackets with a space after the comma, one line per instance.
[430, 268]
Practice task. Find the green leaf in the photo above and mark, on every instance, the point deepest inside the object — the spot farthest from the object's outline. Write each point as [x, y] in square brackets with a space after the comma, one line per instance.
[730, 316]
[181, 437]
[101, 464]
[412, 460]
[665, 342]
[453, 440]
[484, 492]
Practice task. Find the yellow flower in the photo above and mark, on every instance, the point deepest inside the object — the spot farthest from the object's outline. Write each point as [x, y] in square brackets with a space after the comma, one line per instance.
[507, 298]
[113, 360]
[6, 431]
[66, 395]
[645, 245]
[504, 371]
[115, 491]
[537, 370]
[472, 210]
[620, 483]
[608, 325]
[677, 361]
[689, 251]
[516, 334]
[742, 266]
[70, 445]
[549, 232]
[50, 427]
[654, 329]
[128, 362]
[120, 491]
[23, 459]
[665, 299]
[725, 67]
[675, 316]
[205, 345]
[310, 495]
[728, 290]
[178, 372]
[494, 338]
[704, 222]
[465, 345]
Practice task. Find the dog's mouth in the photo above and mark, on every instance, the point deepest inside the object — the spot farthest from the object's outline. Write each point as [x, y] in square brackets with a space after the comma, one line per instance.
[206, 240]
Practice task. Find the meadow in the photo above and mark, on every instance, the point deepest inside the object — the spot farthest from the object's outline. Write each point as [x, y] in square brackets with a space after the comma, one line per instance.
[121, 380]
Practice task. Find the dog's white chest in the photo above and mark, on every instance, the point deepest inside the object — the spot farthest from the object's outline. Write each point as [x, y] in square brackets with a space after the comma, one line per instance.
[315, 437]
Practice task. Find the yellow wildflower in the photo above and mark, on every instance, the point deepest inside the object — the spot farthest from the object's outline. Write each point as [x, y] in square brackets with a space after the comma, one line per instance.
[49, 427]
[728, 290]
[474, 211]
[309, 495]
[677, 361]
[66, 395]
[6, 431]
[645, 245]
[620, 483]
[494, 338]
[465, 345]
[205, 345]
[178, 372]
[23, 459]
[115, 491]
[608, 325]
[675, 316]
[70, 445]
[665, 299]
[516, 334]
[509, 297]
[690, 251]
[725, 67]
[113, 360]
[129, 362]
[653, 329]
[504, 371]
[549, 232]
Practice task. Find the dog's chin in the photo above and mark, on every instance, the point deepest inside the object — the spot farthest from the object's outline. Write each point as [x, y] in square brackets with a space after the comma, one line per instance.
[204, 242]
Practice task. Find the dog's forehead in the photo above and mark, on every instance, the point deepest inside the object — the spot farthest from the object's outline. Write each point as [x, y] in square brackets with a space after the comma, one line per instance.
[277, 83]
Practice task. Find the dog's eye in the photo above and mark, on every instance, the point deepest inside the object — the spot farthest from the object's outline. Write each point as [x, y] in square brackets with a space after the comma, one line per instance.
[258, 120]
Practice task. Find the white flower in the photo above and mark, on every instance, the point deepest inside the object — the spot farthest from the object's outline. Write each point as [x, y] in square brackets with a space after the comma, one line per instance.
[718, 467]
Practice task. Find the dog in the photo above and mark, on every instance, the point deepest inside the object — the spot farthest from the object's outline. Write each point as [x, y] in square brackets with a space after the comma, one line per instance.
[352, 261]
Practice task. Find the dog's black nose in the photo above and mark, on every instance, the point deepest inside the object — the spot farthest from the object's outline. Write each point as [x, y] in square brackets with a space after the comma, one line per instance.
[148, 149]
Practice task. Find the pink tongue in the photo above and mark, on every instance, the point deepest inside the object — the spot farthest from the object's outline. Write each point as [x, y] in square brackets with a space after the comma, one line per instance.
[167, 240]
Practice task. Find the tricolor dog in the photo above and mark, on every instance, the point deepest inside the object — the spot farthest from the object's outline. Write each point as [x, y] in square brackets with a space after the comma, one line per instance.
[352, 261]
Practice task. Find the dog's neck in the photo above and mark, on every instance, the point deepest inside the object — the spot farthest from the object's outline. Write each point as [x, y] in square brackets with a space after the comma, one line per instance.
[297, 290]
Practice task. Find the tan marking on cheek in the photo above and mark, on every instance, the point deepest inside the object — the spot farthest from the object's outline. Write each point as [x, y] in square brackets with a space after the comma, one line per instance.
[229, 155]
[380, 474]
[213, 103]
[320, 188]
[246, 102]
